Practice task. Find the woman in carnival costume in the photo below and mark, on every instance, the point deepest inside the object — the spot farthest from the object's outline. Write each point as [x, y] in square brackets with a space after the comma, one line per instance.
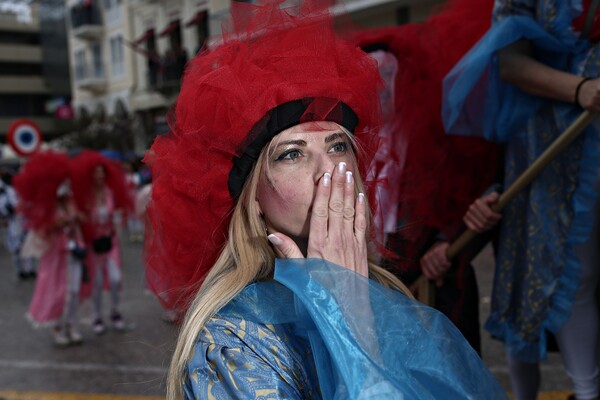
[101, 193]
[433, 177]
[528, 78]
[47, 204]
[261, 228]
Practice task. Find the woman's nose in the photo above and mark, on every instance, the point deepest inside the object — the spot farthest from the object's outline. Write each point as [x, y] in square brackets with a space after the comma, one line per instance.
[326, 164]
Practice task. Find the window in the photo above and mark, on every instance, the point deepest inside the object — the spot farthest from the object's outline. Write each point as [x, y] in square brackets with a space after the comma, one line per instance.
[112, 11]
[20, 69]
[80, 71]
[23, 105]
[22, 38]
[86, 13]
[117, 61]
[200, 21]
[97, 61]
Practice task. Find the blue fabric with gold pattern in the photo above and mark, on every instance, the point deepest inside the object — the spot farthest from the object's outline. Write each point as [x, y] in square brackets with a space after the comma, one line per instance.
[322, 331]
[536, 268]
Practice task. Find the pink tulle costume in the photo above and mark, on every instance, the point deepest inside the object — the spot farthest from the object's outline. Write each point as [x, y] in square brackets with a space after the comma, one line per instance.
[46, 203]
[101, 192]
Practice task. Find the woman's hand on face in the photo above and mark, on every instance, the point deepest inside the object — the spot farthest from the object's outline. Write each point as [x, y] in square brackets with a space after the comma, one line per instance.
[338, 224]
[589, 95]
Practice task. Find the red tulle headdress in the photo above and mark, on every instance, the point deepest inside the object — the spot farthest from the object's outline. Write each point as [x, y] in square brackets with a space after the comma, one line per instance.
[270, 57]
[437, 175]
[84, 165]
[37, 184]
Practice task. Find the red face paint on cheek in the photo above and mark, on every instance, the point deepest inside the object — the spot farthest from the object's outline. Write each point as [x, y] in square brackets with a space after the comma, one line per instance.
[274, 198]
[285, 194]
[285, 203]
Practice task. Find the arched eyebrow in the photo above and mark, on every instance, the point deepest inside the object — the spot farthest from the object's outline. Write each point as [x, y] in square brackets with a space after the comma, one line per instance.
[298, 142]
[334, 136]
[302, 143]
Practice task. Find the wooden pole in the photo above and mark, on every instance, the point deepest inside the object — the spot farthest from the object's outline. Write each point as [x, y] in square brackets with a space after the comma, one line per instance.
[570, 134]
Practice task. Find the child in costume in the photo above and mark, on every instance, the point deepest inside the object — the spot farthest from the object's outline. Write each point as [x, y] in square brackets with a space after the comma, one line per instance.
[101, 193]
[524, 83]
[47, 204]
[261, 228]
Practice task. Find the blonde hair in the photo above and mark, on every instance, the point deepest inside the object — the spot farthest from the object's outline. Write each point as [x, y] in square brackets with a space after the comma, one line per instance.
[246, 257]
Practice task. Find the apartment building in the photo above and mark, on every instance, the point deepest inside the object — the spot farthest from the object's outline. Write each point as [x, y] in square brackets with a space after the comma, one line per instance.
[34, 82]
[128, 56]
[167, 34]
[102, 68]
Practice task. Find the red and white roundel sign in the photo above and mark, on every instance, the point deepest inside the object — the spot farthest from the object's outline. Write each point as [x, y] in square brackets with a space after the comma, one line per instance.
[24, 137]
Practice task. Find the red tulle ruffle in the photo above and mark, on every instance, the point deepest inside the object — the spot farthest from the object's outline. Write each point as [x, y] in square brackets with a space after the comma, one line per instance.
[37, 184]
[269, 56]
[437, 175]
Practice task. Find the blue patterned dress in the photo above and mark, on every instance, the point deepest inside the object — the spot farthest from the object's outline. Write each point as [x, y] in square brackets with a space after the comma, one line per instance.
[536, 268]
[311, 334]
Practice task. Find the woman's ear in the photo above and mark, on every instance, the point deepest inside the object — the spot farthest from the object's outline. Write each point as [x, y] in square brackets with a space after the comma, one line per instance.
[260, 211]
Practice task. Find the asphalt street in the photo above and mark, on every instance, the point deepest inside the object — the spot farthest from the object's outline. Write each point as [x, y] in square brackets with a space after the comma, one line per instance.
[135, 362]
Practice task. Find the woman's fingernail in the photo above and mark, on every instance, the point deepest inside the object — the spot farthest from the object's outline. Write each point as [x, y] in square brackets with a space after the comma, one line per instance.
[326, 179]
[348, 176]
[361, 198]
[274, 239]
[342, 167]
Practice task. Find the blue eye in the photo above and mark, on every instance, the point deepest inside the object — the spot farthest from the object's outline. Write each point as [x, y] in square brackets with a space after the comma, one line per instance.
[291, 155]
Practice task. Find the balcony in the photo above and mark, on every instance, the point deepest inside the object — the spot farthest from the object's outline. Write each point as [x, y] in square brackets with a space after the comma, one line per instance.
[89, 32]
[90, 78]
[93, 84]
[86, 22]
[19, 53]
[23, 85]
[165, 75]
